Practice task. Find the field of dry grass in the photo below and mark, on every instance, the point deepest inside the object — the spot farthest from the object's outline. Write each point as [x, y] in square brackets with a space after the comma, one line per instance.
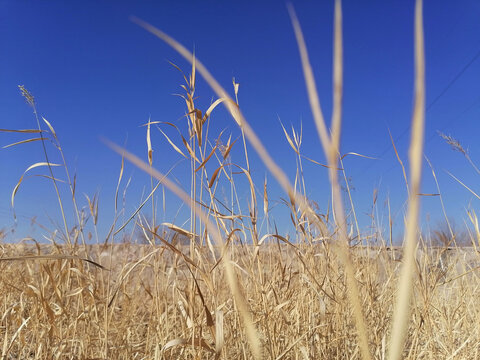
[149, 303]
[219, 288]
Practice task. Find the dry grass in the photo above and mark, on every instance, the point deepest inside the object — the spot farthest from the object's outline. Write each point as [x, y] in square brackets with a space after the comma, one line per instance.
[147, 306]
[218, 287]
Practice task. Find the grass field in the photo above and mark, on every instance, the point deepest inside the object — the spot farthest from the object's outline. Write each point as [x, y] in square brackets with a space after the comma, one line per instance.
[218, 287]
[152, 303]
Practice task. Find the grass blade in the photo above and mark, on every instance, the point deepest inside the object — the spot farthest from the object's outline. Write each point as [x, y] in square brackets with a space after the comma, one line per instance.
[402, 311]
[24, 142]
[331, 149]
[15, 189]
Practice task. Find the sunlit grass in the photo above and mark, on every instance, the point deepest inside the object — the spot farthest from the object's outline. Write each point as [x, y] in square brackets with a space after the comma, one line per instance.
[218, 287]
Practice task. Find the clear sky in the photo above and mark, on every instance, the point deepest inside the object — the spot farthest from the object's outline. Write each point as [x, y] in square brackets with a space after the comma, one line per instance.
[95, 73]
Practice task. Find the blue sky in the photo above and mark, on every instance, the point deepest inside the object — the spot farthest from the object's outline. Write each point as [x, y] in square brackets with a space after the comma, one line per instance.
[95, 73]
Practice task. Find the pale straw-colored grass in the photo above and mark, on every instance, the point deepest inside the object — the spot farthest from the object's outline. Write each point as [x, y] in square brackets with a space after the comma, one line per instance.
[220, 286]
[405, 284]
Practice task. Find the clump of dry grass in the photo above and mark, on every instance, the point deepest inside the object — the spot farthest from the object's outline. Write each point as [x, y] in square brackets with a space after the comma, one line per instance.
[231, 290]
